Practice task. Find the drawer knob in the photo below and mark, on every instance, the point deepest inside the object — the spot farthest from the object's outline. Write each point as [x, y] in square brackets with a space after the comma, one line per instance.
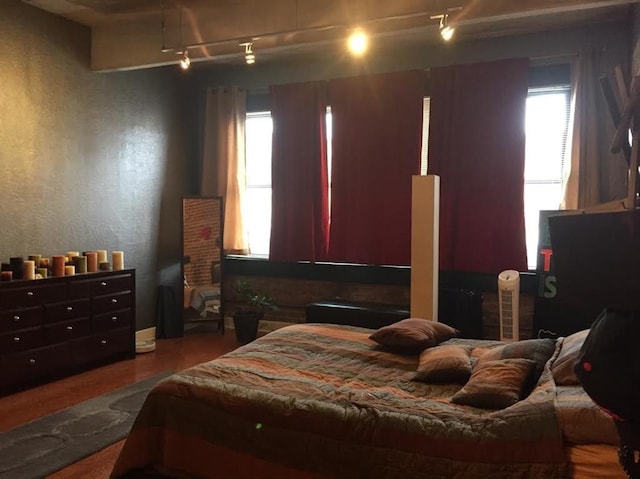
[114, 300]
[16, 318]
[29, 293]
[16, 339]
[69, 328]
[32, 362]
[103, 283]
[69, 308]
[114, 318]
[103, 341]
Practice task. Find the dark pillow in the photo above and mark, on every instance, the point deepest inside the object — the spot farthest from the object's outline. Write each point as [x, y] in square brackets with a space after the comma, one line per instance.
[412, 335]
[495, 384]
[444, 364]
[562, 367]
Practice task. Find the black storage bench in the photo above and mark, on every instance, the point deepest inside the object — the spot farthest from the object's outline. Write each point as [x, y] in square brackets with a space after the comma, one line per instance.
[459, 308]
[365, 315]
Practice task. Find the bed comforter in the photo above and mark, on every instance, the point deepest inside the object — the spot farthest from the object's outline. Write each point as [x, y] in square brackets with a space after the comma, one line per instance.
[320, 401]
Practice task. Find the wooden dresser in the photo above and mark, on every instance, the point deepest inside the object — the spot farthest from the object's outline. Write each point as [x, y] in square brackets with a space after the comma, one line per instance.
[55, 327]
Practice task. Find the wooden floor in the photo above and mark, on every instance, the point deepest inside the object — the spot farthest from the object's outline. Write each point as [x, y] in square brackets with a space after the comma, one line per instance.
[170, 354]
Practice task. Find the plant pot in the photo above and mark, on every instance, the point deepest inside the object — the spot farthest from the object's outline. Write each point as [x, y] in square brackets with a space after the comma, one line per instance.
[246, 324]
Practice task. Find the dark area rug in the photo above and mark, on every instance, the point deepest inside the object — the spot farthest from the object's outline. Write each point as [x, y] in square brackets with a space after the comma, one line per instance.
[50, 443]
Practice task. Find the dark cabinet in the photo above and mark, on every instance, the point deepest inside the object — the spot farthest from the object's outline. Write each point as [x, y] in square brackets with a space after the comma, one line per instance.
[58, 326]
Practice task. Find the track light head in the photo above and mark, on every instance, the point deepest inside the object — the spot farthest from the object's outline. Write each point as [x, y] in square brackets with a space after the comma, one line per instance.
[358, 42]
[185, 61]
[446, 30]
[249, 56]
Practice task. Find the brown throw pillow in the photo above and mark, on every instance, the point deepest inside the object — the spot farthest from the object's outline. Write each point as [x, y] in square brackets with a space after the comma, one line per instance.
[562, 367]
[495, 384]
[444, 364]
[538, 350]
[412, 335]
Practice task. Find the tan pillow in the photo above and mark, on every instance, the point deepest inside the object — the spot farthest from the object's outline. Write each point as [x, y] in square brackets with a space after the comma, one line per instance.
[495, 384]
[444, 364]
[412, 335]
[562, 367]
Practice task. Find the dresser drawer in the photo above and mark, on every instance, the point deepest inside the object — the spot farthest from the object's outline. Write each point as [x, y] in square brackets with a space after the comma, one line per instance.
[66, 331]
[67, 310]
[103, 285]
[112, 320]
[22, 340]
[34, 364]
[24, 318]
[111, 302]
[32, 294]
[101, 346]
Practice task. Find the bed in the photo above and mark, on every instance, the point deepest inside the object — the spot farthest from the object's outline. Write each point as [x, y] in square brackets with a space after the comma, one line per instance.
[317, 401]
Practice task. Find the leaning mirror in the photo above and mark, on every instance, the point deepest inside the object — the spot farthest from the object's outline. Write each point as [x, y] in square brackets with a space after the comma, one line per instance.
[202, 260]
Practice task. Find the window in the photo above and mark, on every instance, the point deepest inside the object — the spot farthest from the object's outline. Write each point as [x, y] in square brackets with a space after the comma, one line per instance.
[546, 125]
[257, 207]
[547, 119]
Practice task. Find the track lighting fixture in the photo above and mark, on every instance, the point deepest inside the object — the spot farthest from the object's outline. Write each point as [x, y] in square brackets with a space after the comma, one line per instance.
[185, 61]
[446, 30]
[249, 56]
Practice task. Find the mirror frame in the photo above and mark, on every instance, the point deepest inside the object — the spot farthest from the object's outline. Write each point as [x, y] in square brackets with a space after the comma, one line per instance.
[199, 305]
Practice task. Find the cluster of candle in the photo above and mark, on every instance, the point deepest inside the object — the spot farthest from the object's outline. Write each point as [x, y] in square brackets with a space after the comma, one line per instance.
[37, 267]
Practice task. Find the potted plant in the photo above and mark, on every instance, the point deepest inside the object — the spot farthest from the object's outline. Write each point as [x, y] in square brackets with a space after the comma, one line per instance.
[247, 316]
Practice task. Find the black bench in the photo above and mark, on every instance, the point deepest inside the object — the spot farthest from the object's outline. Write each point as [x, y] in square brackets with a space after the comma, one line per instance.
[459, 308]
[364, 315]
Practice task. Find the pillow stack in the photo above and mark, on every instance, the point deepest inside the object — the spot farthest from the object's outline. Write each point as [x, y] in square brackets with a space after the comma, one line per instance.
[503, 375]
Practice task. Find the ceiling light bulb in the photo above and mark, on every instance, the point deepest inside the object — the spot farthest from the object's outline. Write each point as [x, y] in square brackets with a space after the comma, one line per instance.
[185, 61]
[358, 42]
[447, 32]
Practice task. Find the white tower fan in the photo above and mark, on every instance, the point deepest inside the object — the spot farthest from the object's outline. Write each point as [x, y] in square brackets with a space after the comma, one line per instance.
[509, 300]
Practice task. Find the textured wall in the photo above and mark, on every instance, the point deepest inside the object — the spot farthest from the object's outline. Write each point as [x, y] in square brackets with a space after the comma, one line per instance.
[87, 160]
[635, 43]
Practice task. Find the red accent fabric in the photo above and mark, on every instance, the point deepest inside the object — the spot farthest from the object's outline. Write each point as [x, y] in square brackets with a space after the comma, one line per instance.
[377, 132]
[477, 147]
[300, 209]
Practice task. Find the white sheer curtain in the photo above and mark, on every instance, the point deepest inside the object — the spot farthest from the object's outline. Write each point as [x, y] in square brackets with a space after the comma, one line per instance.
[595, 175]
[223, 162]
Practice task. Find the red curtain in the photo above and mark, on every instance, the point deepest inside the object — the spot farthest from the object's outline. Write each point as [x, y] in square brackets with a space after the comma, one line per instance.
[377, 133]
[477, 147]
[300, 211]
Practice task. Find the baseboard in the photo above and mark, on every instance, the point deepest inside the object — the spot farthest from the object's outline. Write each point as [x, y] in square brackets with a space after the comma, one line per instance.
[146, 334]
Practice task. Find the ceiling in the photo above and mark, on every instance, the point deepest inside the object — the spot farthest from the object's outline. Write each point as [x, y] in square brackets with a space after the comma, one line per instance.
[130, 34]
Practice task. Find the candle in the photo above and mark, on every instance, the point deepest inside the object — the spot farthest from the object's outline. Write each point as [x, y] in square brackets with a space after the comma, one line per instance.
[105, 266]
[44, 263]
[6, 275]
[5, 267]
[58, 265]
[118, 259]
[92, 261]
[43, 272]
[81, 264]
[16, 266]
[35, 258]
[69, 270]
[29, 269]
[102, 255]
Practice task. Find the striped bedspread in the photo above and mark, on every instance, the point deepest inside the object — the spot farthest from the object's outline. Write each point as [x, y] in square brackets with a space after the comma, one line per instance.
[321, 401]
